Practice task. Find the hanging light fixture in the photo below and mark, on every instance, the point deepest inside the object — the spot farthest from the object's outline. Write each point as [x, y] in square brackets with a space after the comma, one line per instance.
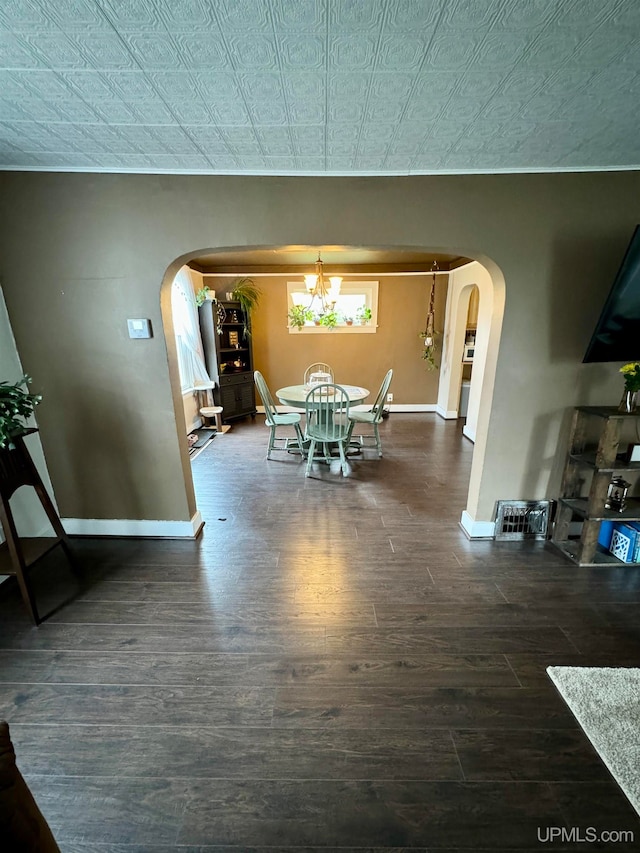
[317, 287]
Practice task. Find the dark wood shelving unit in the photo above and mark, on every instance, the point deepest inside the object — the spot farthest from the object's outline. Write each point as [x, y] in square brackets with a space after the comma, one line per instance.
[600, 458]
[235, 389]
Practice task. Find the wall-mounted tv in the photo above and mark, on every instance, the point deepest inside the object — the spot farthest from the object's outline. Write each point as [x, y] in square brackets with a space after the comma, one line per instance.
[617, 334]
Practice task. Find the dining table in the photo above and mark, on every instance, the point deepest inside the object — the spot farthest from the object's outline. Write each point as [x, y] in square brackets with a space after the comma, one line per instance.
[296, 395]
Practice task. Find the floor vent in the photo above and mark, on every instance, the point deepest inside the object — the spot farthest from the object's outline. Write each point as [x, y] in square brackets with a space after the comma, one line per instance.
[523, 519]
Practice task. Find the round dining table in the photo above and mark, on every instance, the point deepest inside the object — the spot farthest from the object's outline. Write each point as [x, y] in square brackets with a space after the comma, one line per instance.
[295, 395]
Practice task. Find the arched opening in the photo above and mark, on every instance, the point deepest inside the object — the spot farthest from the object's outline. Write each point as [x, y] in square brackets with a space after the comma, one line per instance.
[485, 276]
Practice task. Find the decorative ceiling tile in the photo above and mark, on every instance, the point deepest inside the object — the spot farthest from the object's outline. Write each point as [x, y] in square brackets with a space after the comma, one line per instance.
[132, 15]
[152, 112]
[25, 16]
[302, 52]
[413, 15]
[471, 14]
[16, 52]
[529, 16]
[242, 15]
[355, 16]
[152, 50]
[102, 51]
[352, 52]
[56, 50]
[185, 15]
[129, 85]
[402, 53]
[404, 84]
[274, 141]
[304, 15]
[77, 15]
[253, 52]
[453, 51]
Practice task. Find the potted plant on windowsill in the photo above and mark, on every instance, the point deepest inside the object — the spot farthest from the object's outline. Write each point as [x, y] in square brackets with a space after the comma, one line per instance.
[364, 315]
[329, 320]
[299, 316]
[16, 407]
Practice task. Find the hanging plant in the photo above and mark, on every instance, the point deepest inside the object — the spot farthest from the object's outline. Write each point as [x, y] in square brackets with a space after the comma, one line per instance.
[16, 406]
[429, 334]
[247, 293]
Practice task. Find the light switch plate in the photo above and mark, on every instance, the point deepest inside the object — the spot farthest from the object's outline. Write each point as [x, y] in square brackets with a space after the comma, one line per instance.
[139, 328]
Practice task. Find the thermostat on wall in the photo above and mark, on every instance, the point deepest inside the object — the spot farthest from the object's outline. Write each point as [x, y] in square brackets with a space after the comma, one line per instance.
[139, 328]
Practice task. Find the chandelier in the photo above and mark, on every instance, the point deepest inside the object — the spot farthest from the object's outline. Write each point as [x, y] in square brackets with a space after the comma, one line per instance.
[318, 289]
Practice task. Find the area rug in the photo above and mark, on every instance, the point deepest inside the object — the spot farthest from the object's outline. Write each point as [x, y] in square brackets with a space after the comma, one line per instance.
[606, 703]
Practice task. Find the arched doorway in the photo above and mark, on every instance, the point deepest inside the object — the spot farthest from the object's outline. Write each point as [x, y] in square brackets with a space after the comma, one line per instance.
[486, 276]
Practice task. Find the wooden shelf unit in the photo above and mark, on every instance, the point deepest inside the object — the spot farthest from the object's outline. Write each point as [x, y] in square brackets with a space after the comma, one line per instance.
[600, 461]
[234, 390]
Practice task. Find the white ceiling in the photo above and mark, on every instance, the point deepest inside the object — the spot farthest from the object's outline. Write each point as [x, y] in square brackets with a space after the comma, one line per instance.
[319, 86]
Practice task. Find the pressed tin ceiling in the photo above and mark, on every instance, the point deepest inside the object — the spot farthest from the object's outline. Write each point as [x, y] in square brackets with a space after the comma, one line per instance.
[319, 86]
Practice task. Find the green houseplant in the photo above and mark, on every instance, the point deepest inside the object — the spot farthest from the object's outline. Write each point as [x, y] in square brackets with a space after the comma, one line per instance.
[299, 315]
[203, 294]
[329, 320]
[364, 315]
[247, 293]
[16, 406]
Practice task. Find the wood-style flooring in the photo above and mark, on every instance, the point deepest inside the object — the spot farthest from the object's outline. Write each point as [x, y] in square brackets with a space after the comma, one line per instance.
[331, 666]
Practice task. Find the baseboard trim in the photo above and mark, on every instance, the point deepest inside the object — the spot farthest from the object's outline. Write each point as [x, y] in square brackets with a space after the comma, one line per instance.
[138, 528]
[410, 407]
[477, 529]
[447, 414]
[468, 433]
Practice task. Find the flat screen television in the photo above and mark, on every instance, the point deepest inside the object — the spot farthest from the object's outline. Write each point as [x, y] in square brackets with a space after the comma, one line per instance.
[617, 334]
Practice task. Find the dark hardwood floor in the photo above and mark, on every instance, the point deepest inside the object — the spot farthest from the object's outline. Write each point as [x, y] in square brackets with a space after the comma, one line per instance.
[331, 666]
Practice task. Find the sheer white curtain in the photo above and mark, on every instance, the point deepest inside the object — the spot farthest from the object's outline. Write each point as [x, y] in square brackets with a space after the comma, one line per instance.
[193, 371]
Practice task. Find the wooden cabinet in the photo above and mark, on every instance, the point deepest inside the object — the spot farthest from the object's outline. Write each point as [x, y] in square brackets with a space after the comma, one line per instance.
[597, 451]
[229, 358]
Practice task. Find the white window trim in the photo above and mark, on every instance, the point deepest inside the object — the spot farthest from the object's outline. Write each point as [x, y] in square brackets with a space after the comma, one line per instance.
[368, 288]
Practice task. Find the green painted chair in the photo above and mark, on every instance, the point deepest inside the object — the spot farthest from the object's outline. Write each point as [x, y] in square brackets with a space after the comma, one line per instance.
[373, 416]
[275, 419]
[327, 410]
[317, 367]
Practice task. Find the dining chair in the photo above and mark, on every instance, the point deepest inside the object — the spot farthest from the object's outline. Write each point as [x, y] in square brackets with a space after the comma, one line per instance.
[275, 419]
[373, 416]
[322, 404]
[318, 367]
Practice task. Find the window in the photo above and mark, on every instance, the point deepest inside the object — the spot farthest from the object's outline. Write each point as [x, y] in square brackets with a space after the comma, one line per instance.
[358, 299]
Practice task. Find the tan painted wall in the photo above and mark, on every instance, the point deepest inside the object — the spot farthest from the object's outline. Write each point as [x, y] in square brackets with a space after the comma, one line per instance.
[81, 253]
[357, 359]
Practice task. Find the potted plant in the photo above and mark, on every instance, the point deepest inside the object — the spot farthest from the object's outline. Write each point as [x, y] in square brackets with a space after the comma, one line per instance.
[299, 316]
[364, 315]
[205, 293]
[329, 320]
[247, 293]
[16, 406]
[348, 321]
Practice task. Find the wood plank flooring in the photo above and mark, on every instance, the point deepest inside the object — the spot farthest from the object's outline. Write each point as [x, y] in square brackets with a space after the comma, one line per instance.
[331, 666]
